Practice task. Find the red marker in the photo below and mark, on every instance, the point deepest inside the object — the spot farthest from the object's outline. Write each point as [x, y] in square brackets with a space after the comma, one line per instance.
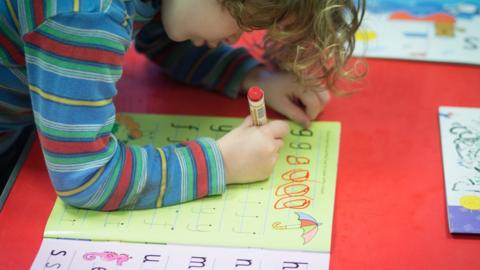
[257, 106]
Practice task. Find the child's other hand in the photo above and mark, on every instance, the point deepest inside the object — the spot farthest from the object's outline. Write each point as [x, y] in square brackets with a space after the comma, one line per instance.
[250, 152]
[286, 96]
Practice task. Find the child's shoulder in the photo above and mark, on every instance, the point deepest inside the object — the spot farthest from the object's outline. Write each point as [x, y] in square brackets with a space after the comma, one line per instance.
[32, 14]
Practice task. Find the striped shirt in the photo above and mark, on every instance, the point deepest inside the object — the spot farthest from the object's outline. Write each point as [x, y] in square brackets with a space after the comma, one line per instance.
[59, 62]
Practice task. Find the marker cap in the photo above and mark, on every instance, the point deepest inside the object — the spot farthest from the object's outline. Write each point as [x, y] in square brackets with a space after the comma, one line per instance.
[255, 93]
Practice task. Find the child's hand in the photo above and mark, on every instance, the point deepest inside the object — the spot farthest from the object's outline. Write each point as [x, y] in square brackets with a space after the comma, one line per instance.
[249, 152]
[286, 96]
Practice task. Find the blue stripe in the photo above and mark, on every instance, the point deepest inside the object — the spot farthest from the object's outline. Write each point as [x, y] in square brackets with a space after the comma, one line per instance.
[78, 89]
[186, 61]
[205, 66]
[62, 184]
[4, 11]
[149, 195]
[10, 80]
[173, 192]
[15, 99]
[120, 160]
[124, 201]
[73, 115]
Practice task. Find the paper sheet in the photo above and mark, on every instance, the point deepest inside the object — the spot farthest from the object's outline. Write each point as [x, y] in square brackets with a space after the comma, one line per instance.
[445, 31]
[460, 134]
[70, 255]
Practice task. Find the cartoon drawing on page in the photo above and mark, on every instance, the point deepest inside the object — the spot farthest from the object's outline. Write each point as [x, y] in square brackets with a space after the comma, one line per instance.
[107, 256]
[467, 145]
[445, 31]
[460, 135]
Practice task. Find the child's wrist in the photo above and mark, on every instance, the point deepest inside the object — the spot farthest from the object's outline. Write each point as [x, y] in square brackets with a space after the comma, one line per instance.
[226, 169]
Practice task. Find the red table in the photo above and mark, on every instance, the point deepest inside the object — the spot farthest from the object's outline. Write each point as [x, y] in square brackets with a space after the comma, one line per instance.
[390, 202]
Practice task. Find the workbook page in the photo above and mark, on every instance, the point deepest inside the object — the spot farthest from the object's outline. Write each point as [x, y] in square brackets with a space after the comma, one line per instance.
[292, 210]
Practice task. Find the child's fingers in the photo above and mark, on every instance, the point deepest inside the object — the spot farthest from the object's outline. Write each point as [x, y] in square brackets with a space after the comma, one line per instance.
[247, 122]
[323, 96]
[274, 158]
[312, 104]
[277, 128]
[278, 144]
[294, 112]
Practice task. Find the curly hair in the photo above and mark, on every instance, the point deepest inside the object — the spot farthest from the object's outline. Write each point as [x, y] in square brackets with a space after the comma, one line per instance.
[313, 39]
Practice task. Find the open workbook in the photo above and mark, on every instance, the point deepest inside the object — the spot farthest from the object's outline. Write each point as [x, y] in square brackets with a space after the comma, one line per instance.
[282, 223]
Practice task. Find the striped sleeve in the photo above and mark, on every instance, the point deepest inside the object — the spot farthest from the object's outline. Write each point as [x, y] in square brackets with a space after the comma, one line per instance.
[221, 69]
[73, 61]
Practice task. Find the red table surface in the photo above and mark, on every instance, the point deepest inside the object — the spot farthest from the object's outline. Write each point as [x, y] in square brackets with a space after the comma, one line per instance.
[390, 208]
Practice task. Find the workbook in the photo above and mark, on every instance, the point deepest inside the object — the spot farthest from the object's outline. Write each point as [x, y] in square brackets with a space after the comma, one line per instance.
[460, 135]
[284, 222]
[440, 31]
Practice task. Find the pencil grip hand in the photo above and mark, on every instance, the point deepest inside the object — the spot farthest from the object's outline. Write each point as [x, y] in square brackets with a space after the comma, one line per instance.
[250, 152]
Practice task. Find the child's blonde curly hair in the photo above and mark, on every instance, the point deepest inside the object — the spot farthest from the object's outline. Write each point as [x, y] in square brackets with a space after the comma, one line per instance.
[311, 38]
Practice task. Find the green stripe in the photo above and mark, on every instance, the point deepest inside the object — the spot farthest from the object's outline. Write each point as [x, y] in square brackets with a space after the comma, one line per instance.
[137, 167]
[111, 182]
[49, 12]
[192, 175]
[107, 71]
[11, 35]
[71, 160]
[212, 168]
[70, 133]
[141, 18]
[83, 41]
[189, 172]
[29, 15]
[4, 55]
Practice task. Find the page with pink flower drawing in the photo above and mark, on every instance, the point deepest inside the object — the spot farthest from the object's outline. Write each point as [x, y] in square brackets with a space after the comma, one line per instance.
[74, 254]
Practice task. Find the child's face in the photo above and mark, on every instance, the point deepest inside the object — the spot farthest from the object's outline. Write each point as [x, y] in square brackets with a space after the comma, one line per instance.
[204, 22]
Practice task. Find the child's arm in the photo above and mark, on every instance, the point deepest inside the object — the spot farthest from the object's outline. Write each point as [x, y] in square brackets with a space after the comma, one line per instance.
[73, 62]
[221, 69]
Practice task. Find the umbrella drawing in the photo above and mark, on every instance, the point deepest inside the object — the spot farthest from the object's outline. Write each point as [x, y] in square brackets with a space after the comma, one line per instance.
[308, 224]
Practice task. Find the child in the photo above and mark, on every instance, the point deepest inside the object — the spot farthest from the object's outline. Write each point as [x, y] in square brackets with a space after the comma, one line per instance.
[60, 61]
